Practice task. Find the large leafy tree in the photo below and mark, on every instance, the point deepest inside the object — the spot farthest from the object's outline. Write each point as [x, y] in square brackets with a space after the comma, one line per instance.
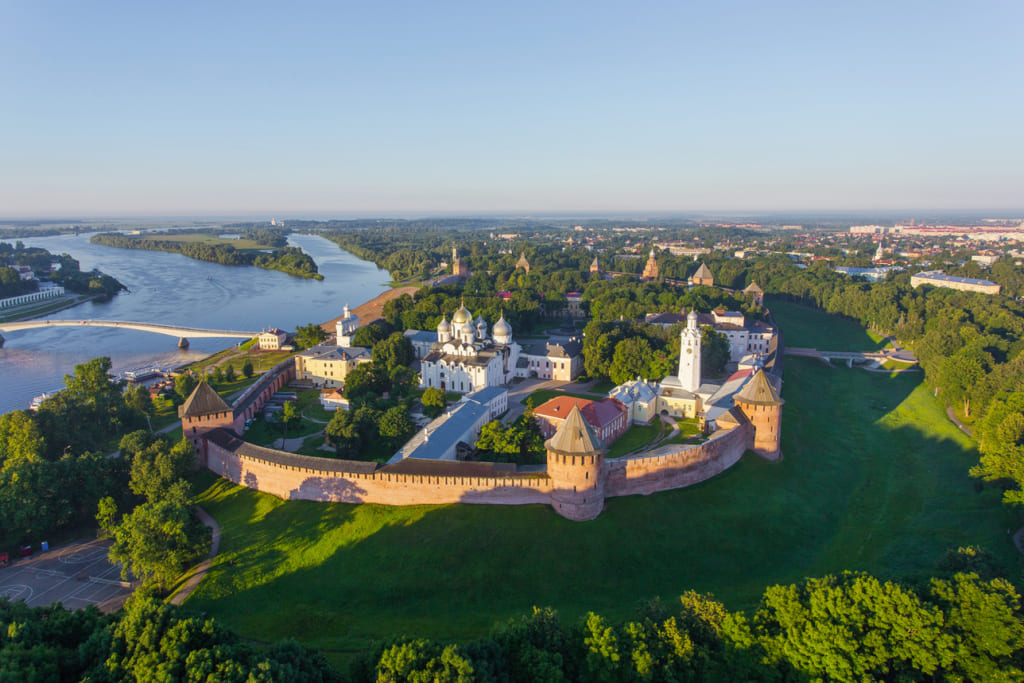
[160, 538]
[394, 351]
[158, 466]
[20, 440]
[309, 335]
[433, 400]
[396, 426]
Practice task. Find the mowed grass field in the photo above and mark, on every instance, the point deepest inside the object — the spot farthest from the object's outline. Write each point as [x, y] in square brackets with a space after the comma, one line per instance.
[808, 327]
[206, 238]
[873, 478]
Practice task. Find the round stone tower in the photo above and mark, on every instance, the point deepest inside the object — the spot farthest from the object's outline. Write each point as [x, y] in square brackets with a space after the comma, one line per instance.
[762, 406]
[576, 468]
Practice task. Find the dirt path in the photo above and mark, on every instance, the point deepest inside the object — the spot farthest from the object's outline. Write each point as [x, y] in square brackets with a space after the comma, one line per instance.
[953, 418]
[204, 566]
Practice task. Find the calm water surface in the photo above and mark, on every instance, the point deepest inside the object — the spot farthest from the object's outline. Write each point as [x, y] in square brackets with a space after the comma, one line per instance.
[176, 290]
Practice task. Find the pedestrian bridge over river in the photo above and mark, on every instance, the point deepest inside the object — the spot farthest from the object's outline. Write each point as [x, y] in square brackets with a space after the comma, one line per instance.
[182, 333]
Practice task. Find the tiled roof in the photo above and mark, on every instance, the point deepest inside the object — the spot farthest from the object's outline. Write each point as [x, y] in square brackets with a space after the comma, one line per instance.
[759, 391]
[597, 413]
[228, 440]
[574, 437]
[203, 401]
[703, 272]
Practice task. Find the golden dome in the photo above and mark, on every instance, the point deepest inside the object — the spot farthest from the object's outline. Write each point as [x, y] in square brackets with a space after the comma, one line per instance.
[462, 316]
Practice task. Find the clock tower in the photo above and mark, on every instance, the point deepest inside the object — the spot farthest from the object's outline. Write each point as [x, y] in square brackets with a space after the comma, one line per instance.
[689, 354]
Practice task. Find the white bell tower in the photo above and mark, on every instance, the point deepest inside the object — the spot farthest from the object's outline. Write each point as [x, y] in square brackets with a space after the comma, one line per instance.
[689, 354]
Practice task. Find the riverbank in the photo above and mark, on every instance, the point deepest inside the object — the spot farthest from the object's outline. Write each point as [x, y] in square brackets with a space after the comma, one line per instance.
[44, 308]
[374, 308]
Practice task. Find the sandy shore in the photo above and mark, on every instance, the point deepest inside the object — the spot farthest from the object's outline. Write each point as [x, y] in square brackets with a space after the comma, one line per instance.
[374, 308]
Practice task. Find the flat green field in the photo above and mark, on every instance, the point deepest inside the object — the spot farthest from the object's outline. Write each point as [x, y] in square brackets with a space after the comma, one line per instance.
[205, 238]
[809, 327]
[874, 478]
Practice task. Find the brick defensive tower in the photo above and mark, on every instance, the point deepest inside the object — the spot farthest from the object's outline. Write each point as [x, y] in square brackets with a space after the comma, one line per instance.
[202, 411]
[761, 405]
[576, 468]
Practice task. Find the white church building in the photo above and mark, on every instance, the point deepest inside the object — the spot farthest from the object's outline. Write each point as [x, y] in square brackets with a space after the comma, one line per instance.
[465, 358]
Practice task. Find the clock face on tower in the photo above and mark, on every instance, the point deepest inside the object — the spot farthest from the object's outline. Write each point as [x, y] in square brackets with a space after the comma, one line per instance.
[689, 350]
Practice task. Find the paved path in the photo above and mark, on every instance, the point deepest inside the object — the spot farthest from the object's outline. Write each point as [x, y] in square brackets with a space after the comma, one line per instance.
[76, 575]
[955, 420]
[294, 444]
[200, 572]
[518, 392]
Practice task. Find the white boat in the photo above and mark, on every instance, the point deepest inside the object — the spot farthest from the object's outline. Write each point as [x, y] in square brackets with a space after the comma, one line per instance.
[38, 400]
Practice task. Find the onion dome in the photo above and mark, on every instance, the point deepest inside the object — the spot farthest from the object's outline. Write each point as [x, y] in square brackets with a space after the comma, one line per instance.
[502, 328]
[462, 316]
[444, 325]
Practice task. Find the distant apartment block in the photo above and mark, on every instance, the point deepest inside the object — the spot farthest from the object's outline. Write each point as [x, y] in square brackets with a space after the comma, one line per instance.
[937, 278]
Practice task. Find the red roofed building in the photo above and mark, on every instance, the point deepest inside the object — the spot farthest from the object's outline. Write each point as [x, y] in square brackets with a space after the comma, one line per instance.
[609, 418]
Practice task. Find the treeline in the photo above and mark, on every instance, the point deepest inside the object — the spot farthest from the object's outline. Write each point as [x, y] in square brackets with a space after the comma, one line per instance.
[54, 467]
[39, 260]
[147, 641]
[970, 346]
[290, 260]
[961, 625]
[625, 350]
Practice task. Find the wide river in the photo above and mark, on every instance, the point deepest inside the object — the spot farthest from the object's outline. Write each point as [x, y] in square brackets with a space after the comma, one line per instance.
[176, 290]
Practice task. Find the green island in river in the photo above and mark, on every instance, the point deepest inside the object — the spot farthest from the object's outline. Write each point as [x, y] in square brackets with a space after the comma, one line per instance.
[263, 248]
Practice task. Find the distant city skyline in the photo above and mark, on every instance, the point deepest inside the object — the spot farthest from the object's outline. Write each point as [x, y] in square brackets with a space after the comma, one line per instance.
[331, 109]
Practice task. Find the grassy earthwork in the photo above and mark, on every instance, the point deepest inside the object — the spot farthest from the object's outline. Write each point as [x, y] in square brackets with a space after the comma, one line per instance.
[808, 327]
[874, 478]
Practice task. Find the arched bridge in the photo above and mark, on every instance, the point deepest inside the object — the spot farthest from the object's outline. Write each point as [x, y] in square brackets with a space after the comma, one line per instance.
[182, 333]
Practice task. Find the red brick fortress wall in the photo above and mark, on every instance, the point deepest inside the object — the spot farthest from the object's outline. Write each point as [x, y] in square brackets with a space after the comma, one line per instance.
[676, 466]
[302, 483]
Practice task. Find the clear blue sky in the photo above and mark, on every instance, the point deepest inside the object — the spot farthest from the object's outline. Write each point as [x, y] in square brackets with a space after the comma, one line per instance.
[116, 108]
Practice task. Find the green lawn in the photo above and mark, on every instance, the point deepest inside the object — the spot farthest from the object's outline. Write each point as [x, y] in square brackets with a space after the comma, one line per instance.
[805, 326]
[264, 433]
[635, 437]
[873, 478]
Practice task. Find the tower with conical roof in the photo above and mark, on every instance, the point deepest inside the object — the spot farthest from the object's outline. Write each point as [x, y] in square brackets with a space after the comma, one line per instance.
[702, 277]
[761, 405]
[523, 263]
[202, 411]
[595, 266]
[755, 293]
[576, 469]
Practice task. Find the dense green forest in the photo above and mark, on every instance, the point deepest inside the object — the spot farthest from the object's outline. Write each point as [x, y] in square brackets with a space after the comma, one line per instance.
[963, 625]
[56, 474]
[290, 260]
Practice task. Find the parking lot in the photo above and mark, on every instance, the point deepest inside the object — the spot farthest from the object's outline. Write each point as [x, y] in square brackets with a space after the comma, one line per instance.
[76, 575]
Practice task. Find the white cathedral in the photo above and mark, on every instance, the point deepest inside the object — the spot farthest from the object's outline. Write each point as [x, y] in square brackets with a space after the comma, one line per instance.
[345, 328]
[465, 359]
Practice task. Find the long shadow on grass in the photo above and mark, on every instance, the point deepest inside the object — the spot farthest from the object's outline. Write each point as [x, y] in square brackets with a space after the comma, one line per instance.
[871, 479]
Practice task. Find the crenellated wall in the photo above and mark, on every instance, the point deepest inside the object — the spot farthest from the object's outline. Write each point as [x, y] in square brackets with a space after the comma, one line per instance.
[295, 477]
[677, 466]
[298, 482]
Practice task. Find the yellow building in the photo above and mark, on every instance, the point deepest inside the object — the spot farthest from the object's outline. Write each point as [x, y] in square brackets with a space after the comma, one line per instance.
[327, 366]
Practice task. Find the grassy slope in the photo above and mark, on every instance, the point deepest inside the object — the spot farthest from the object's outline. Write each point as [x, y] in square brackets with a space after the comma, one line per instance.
[805, 326]
[873, 477]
